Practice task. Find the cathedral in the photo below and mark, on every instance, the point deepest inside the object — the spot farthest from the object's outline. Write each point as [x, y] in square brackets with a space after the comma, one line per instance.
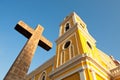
[77, 57]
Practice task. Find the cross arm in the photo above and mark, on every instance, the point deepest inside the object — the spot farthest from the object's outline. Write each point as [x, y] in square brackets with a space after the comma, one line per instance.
[24, 29]
[44, 43]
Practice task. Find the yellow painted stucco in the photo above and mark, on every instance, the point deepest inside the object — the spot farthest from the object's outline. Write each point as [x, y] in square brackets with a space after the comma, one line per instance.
[77, 57]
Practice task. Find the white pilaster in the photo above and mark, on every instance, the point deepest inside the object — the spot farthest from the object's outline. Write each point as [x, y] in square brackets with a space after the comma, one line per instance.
[82, 74]
[93, 74]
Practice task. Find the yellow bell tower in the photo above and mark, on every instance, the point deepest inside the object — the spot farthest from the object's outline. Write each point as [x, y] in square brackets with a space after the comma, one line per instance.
[77, 57]
[73, 40]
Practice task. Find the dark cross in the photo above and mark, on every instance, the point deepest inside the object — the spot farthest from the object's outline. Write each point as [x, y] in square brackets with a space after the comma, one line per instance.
[19, 69]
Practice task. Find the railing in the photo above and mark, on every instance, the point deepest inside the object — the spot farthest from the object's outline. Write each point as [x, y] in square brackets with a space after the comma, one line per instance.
[115, 71]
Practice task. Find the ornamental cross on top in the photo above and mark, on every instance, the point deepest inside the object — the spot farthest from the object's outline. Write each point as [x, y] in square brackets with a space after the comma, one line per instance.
[21, 65]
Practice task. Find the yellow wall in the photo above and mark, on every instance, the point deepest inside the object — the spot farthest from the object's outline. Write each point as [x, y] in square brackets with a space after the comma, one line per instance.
[74, 76]
[38, 75]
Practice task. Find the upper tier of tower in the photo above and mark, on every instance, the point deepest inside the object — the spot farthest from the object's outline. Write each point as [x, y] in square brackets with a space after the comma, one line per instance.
[70, 21]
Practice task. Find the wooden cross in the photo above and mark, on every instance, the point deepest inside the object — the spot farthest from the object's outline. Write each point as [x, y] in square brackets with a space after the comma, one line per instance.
[21, 65]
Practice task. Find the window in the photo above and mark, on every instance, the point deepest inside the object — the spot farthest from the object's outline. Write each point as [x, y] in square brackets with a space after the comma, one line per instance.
[89, 45]
[67, 44]
[67, 27]
[43, 76]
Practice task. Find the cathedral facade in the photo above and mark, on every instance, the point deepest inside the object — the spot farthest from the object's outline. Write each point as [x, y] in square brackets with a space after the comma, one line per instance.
[77, 57]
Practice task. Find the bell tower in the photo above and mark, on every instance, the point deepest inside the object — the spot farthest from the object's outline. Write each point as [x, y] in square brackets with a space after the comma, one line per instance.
[73, 40]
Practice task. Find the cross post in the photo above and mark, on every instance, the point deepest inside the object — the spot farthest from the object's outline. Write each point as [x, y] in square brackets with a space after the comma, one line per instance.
[19, 68]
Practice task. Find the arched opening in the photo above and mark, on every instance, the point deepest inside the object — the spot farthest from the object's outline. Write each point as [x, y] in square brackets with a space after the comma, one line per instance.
[43, 76]
[67, 27]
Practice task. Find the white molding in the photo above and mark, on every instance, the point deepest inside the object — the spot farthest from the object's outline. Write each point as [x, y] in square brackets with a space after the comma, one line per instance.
[60, 31]
[93, 74]
[77, 43]
[42, 74]
[64, 21]
[72, 72]
[103, 71]
[86, 34]
[65, 26]
[65, 35]
[101, 75]
[71, 30]
[82, 75]
[72, 54]
[74, 17]
[74, 61]
[58, 56]
[62, 46]
[66, 65]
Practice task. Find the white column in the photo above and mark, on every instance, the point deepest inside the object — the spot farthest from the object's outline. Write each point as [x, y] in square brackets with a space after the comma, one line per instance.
[82, 74]
[93, 74]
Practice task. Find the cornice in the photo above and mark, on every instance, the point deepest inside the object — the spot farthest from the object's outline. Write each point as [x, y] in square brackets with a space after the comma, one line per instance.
[66, 65]
[65, 35]
[86, 33]
[99, 66]
[77, 60]
[67, 18]
[72, 30]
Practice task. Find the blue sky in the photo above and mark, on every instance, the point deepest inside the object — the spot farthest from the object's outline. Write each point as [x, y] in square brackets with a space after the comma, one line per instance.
[101, 16]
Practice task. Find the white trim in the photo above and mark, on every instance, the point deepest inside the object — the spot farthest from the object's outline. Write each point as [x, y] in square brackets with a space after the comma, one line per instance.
[97, 63]
[72, 72]
[72, 29]
[82, 75]
[66, 19]
[96, 71]
[62, 55]
[77, 43]
[72, 54]
[65, 26]
[86, 34]
[93, 74]
[61, 45]
[58, 56]
[65, 35]
[82, 71]
[42, 74]
[74, 18]
[67, 65]
[60, 31]
[75, 61]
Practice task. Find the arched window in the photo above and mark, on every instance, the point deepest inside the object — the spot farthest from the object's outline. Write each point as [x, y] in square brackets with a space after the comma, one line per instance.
[43, 76]
[67, 26]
